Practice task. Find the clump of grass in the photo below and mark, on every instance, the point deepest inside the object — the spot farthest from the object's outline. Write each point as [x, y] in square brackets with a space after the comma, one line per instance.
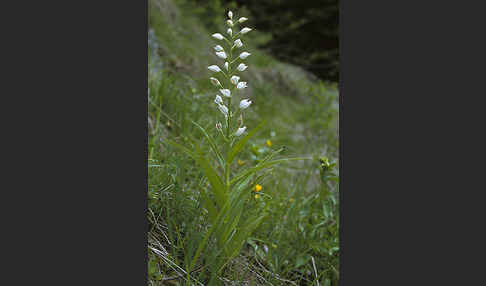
[297, 241]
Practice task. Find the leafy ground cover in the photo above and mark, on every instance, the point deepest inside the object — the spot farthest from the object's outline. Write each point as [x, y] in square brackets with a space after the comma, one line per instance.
[297, 243]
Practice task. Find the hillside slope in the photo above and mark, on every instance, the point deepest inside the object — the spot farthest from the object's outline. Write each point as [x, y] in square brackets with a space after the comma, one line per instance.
[300, 239]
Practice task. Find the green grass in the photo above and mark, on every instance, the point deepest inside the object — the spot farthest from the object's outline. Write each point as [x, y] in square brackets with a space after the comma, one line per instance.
[302, 225]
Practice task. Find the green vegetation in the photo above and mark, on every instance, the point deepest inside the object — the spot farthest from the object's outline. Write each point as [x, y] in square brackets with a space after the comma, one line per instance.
[305, 33]
[297, 241]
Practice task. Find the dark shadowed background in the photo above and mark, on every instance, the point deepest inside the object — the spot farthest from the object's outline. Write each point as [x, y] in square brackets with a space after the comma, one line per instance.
[305, 33]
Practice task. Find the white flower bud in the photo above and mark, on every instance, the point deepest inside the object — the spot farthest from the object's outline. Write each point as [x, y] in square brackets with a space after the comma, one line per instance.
[225, 92]
[244, 55]
[241, 67]
[244, 30]
[221, 55]
[245, 103]
[235, 79]
[230, 32]
[215, 81]
[230, 14]
[223, 109]
[214, 68]
[242, 19]
[241, 85]
[238, 43]
[218, 36]
[218, 48]
[230, 23]
[240, 131]
[226, 66]
[218, 100]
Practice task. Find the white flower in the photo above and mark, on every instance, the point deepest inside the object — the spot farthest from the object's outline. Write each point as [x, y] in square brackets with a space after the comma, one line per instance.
[218, 48]
[241, 67]
[218, 36]
[226, 65]
[223, 109]
[215, 81]
[214, 68]
[230, 32]
[245, 103]
[235, 79]
[241, 85]
[218, 99]
[242, 19]
[238, 43]
[225, 92]
[230, 14]
[221, 55]
[244, 30]
[244, 55]
[230, 23]
[219, 126]
[240, 131]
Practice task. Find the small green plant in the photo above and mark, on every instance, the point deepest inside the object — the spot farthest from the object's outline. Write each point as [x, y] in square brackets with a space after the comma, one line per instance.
[232, 195]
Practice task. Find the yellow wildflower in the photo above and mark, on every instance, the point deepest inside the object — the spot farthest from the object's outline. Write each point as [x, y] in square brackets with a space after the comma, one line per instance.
[257, 196]
[258, 188]
[269, 143]
[240, 162]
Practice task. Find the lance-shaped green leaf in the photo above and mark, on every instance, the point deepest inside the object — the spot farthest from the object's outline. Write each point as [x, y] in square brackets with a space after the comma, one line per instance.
[237, 201]
[212, 144]
[209, 205]
[247, 172]
[215, 227]
[216, 184]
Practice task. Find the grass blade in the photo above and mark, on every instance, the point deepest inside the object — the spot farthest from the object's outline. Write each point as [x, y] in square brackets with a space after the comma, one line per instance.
[260, 166]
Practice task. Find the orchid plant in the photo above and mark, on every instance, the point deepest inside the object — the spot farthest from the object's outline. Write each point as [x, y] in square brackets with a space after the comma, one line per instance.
[228, 195]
